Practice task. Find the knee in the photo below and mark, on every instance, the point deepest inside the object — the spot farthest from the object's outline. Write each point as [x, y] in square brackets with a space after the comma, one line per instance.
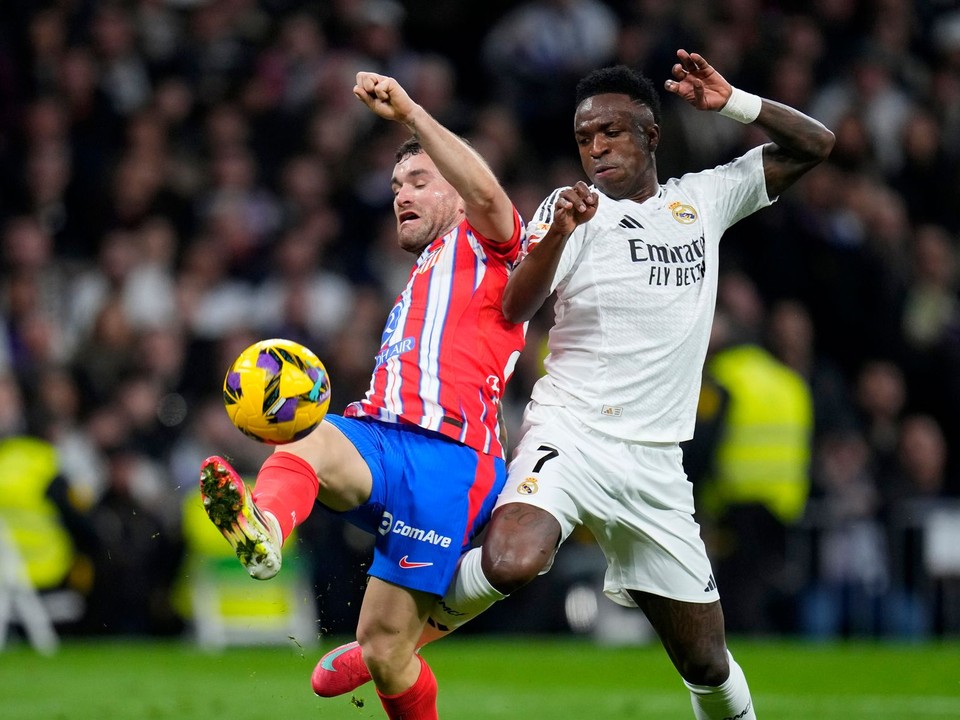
[510, 571]
[385, 658]
[709, 668]
[519, 544]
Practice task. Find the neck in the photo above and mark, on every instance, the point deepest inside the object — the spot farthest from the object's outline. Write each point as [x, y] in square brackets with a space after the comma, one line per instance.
[649, 186]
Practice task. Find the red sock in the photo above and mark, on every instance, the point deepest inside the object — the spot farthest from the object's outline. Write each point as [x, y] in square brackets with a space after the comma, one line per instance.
[286, 486]
[419, 702]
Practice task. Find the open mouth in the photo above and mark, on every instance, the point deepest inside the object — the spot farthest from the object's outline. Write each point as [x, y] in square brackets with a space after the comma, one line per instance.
[406, 216]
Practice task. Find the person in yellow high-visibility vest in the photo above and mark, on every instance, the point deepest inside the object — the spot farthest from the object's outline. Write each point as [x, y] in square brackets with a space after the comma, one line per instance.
[758, 479]
[27, 467]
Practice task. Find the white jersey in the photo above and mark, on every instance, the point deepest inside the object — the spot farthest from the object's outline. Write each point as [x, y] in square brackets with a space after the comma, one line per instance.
[636, 291]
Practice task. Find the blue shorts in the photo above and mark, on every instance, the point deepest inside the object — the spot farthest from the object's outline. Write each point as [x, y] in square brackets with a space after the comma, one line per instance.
[430, 496]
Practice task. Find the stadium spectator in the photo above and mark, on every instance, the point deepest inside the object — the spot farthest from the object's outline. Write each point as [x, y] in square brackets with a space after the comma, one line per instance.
[56, 415]
[791, 338]
[881, 397]
[29, 259]
[911, 488]
[126, 273]
[851, 584]
[932, 308]
[929, 327]
[211, 301]
[123, 72]
[421, 453]
[538, 50]
[920, 470]
[870, 89]
[48, 35]
[927, 179]
[289, 295]
[136, 554]
[239, 210]
[287, 72]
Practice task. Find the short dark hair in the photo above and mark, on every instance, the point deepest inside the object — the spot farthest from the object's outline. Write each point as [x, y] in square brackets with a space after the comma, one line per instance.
[410, 146]
[621, 80]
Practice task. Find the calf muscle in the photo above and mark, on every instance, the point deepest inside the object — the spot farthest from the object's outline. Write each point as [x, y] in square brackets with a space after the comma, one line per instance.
[692, 634]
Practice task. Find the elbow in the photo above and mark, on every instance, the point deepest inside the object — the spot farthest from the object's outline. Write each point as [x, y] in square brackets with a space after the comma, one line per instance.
[514, 318]
[512, 314]
[824, 144]
[485, 197]
[813, 148]
[513, 310]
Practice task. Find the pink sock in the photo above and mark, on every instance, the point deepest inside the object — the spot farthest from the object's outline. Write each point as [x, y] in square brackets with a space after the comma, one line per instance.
[287, 487]
[419, 702]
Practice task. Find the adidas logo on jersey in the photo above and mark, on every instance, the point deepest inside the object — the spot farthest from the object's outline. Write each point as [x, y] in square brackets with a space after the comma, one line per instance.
[711, 584]
[629, 222]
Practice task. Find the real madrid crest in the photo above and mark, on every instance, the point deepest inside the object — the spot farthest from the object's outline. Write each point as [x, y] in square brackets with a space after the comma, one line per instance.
[528, 487]
[685, 214]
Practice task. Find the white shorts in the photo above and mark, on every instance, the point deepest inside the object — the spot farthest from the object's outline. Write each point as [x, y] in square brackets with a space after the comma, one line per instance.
[634, 497]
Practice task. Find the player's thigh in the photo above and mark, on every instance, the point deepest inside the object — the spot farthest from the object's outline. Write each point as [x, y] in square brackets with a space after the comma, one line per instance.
[546, 480]
[648, 533]
[393, 614]
[345, 477]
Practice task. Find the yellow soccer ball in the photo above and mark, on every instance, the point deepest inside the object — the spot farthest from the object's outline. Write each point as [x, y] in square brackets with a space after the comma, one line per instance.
[276, 391]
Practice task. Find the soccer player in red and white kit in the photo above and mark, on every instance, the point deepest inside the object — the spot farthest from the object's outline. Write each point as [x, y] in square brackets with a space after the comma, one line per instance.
[418, 462]
[634, 263]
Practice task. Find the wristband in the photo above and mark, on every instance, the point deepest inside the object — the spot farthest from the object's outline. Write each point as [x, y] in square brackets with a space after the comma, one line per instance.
[742, 106]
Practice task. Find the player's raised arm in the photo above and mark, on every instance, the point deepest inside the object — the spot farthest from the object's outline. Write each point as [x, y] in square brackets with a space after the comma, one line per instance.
[799, 142]
[487, 205]
[531, 282]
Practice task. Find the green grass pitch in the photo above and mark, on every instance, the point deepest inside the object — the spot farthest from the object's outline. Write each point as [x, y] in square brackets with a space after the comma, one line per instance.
[481, 678]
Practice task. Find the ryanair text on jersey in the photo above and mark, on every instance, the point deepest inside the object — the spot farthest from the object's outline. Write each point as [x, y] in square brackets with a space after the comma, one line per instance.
[680, 265]
[398, 348]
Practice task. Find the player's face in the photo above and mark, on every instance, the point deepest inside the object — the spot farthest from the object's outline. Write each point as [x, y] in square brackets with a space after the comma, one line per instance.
[617, 137]
[426, 205]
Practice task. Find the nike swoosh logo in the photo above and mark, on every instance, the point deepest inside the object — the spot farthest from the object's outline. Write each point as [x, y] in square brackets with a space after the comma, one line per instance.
[327, 661]
[407, 564]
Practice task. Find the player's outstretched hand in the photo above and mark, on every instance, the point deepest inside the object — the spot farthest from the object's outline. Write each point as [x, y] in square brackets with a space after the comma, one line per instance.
[574, 206]
[384, 95]
[695, 80]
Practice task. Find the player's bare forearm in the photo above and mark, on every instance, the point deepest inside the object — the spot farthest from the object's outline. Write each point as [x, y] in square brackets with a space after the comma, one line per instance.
[530, 282]
[488, 207]
[799, 144]
[799, 141]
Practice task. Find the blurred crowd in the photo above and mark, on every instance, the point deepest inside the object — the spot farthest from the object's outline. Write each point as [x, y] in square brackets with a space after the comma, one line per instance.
[180, 178]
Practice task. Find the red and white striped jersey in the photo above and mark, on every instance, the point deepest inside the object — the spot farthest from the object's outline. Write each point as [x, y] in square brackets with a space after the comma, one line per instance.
[447, 350]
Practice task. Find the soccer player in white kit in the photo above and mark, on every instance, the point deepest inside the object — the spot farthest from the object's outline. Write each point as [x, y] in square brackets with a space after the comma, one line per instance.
[634, 263]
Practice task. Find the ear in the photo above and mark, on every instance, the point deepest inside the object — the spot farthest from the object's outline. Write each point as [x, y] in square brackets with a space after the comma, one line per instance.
[653, 137]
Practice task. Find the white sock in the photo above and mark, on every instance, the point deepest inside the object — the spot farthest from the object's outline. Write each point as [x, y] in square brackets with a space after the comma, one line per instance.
[469, 594]
[730, 701]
